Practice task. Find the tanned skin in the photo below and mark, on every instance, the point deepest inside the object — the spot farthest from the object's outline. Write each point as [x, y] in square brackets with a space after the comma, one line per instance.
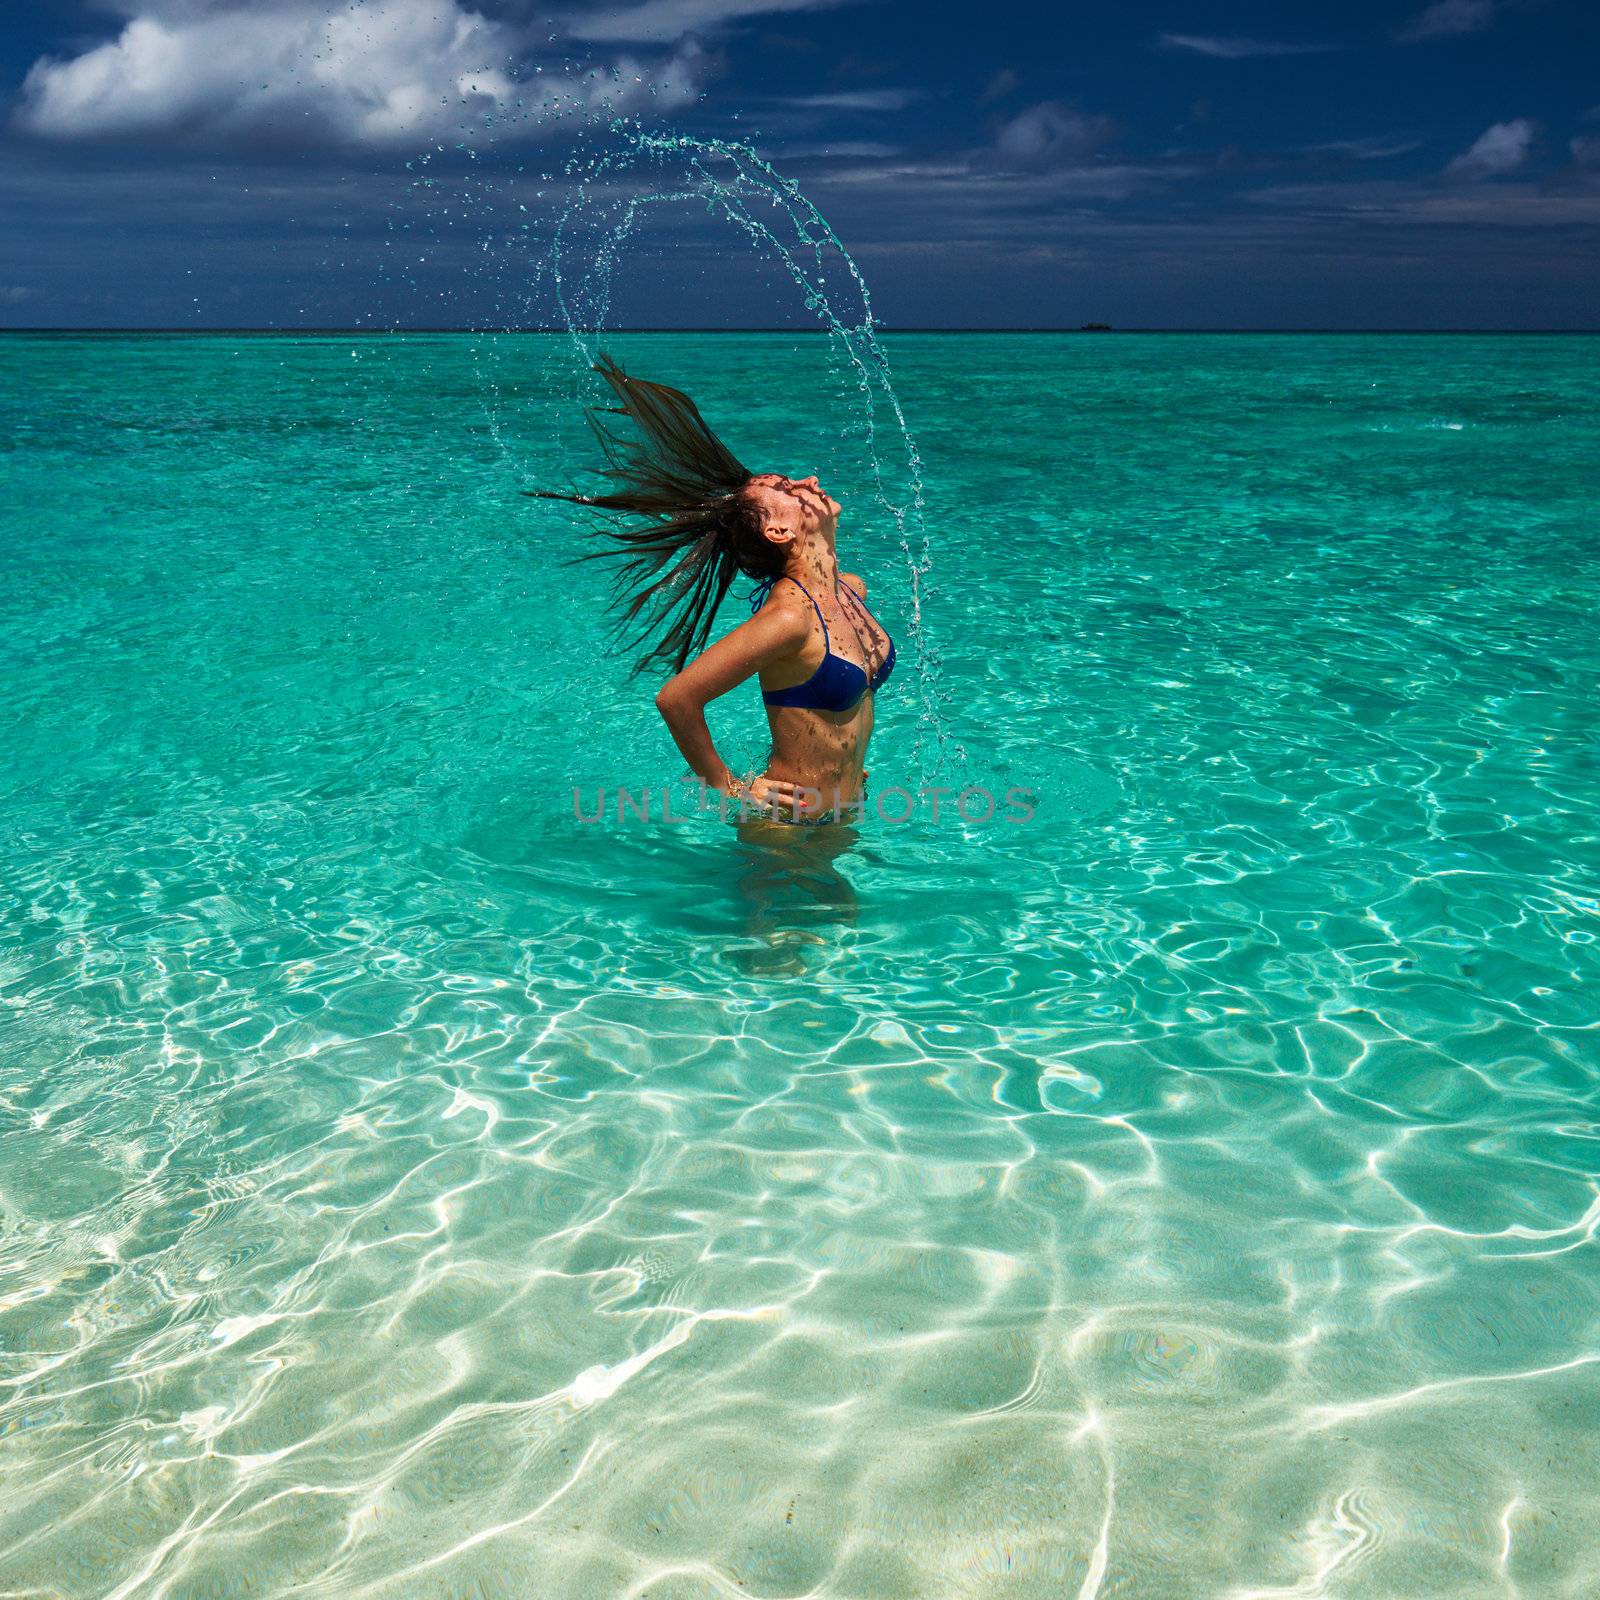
[817, 757]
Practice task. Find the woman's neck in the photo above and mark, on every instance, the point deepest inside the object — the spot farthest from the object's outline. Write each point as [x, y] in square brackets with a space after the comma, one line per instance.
[817, 564]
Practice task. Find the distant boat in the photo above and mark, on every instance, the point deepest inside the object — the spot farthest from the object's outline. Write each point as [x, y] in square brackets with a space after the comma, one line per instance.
[1095, 327]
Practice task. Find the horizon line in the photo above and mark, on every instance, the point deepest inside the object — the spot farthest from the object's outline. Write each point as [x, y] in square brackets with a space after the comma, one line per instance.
[376, 332]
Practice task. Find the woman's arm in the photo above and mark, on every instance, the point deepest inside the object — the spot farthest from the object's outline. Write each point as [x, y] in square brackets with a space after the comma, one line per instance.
[774, 632]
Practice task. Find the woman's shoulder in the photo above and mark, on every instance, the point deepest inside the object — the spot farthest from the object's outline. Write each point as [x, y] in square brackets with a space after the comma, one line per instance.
[856, 582]
[784, 614]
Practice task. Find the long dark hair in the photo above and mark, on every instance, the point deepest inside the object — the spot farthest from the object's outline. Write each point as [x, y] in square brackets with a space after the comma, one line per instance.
[699, 530]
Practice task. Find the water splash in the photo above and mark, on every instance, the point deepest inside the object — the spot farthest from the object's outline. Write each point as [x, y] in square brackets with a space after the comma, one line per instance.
[733, 181]
[552, 265]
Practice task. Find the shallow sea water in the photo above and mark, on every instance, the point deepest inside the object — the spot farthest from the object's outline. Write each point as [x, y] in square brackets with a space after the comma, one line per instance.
[408, 1189]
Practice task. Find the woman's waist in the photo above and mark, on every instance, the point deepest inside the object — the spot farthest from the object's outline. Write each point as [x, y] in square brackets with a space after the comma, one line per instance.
[832, 785]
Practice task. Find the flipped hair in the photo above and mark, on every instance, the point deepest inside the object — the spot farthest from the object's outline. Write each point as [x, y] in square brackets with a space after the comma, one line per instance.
[698, 528]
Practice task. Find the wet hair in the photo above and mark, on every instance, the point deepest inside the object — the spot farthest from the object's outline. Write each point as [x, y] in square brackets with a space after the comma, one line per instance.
[699, 528]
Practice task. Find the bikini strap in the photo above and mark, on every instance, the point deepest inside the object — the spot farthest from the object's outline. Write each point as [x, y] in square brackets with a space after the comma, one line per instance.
[826, 644]
[849, 595]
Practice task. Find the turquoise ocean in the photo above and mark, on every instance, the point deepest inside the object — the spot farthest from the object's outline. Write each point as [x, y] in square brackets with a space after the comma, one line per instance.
[411, 1188]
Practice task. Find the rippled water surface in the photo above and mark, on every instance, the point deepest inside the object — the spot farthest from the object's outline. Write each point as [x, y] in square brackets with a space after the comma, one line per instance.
[409, 1190]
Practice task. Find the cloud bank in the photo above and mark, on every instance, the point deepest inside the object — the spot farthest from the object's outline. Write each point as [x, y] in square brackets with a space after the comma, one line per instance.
[380, 74]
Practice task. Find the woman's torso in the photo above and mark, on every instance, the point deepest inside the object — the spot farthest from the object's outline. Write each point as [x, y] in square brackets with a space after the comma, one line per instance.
[823, 744]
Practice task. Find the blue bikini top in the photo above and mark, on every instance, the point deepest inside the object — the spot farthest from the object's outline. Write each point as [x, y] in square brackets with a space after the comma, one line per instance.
[837, 684]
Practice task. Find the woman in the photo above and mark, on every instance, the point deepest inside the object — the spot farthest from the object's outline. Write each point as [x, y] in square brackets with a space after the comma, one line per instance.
[820, 654]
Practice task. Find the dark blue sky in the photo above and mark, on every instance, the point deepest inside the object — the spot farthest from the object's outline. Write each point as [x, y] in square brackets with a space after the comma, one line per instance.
[213, 162]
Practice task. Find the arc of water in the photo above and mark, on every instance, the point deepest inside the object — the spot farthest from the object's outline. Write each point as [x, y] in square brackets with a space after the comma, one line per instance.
[587, 238]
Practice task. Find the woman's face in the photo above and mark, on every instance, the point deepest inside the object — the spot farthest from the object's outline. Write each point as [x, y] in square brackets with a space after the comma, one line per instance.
[796, 505]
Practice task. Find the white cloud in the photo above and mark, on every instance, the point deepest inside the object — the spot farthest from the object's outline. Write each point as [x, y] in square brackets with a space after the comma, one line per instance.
[666, 20]
[1052, 134]
[1447, 18]
[1238, 49]
[859, 100]
[13, 294]
[1497, 150]
[984, 193]
[1376, 147]
[385, 73]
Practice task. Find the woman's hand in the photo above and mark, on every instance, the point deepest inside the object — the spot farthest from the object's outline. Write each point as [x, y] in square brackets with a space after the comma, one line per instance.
[774, 794]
